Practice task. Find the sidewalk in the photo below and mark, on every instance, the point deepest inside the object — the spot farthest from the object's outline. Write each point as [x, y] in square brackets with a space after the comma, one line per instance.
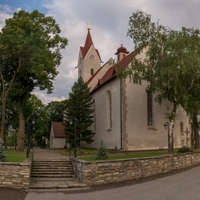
[48, 154]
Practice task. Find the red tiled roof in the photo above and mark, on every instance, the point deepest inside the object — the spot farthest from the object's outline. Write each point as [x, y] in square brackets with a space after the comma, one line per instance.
[58, 129]
[111, 73]
[88, 44]
[92, 77]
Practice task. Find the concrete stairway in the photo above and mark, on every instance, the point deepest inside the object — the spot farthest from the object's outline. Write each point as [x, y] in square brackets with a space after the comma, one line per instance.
[54, 175]
[52, 169]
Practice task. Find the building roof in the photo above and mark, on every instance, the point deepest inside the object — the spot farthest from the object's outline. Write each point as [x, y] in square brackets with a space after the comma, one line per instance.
[121, 49]
[58, 130]
[111, 73]
[88, 44]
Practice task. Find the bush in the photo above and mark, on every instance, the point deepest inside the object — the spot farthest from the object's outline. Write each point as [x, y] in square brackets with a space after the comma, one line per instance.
[184, 149]
[2, 154]
[101, 153]
[11, 140]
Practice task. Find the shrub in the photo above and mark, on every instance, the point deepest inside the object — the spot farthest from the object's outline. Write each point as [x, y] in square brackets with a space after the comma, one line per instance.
[2, 154]
[11, 140]
[184, 149]
[101, 153]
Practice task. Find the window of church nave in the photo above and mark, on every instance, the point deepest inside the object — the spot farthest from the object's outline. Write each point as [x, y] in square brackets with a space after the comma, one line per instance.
[80, 73]
[109, 110]
[149, 109]
[181, 127]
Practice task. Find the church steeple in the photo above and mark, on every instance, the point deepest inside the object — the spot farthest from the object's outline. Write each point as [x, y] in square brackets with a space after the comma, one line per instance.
[89, 58]
[88, 43]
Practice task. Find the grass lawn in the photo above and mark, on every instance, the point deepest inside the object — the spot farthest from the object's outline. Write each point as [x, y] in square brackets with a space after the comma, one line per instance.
[126, 155]
[13, 156]
[89, 151]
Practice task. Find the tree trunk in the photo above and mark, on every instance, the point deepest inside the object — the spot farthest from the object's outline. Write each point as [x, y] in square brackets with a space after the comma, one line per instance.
[171, 130]
[21, 131]
[195, 131]
[3, 119]
[171, 134]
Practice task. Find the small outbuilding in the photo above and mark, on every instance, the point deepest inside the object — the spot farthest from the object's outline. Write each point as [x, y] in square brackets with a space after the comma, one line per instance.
[57, 135]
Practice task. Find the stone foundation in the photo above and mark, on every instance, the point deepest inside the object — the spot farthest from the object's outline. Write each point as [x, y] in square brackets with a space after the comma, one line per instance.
[15, 175]
[103, 172]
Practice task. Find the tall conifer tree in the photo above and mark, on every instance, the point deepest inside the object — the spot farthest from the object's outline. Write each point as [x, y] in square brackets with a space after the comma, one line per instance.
[79, 114]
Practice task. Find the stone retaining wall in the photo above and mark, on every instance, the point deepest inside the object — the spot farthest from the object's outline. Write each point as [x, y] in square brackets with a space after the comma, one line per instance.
[103, 172]
[15, 175]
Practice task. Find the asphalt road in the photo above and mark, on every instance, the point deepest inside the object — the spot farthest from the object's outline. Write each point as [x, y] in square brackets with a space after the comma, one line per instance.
[181, 186]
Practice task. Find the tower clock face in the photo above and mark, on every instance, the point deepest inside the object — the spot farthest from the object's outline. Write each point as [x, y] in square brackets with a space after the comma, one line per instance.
[92, 57]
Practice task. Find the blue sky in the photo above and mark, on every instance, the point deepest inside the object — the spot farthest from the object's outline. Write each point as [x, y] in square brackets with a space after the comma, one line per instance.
[109, 25]
[28, 5]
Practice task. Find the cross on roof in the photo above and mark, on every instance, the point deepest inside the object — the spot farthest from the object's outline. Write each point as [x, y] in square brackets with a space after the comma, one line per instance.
[89, 26]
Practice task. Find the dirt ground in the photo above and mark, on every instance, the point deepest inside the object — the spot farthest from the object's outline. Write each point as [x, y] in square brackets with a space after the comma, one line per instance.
[12, 194]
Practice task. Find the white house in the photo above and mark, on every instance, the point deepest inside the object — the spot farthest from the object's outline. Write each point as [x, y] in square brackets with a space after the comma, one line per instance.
[57, 136]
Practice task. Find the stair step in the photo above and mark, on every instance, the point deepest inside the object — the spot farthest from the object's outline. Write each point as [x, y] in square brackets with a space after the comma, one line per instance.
[53, 175]
[51, 164]
[52, 167]
[51, 170]
[53, 184]
[55, 161]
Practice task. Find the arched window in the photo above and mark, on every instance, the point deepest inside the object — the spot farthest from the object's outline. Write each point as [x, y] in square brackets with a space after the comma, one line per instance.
[91, 72]
[149, 109]
[181, 127]
[109, 110]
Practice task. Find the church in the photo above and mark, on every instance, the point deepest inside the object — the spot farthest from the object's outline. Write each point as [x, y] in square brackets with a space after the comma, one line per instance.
[126, 117]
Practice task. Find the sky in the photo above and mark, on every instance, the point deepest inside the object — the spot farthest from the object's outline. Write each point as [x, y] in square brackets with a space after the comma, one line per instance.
[109, 26]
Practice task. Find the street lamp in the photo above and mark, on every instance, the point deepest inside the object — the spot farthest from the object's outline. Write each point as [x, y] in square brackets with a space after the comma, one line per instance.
[170, 138]
[28, 136]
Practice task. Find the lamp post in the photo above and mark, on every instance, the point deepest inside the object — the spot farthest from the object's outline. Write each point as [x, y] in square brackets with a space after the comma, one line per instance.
[28, 136]
[27, 139]
[170, 139]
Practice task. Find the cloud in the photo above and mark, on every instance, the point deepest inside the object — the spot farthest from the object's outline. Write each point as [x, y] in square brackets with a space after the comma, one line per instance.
[108, 31]
[5, 13]
[109, 26]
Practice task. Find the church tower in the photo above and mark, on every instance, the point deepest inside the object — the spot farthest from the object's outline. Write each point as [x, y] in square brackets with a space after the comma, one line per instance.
[89, 60]
[121, 53]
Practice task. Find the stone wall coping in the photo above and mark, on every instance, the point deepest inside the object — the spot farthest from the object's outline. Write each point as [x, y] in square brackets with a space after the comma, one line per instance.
[26, 162]
[78, 160]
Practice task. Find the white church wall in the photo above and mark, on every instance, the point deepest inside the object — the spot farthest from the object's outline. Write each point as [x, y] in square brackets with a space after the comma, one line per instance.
[110, 136]
[139, 135]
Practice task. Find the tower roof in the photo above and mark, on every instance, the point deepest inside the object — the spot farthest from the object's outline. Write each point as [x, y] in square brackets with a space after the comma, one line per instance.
[88, 44]
[121, 49]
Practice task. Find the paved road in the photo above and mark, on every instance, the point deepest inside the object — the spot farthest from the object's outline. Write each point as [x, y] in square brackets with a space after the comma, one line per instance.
[182, 186]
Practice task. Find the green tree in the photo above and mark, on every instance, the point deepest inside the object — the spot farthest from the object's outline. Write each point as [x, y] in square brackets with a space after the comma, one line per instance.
[56, 109]
[79, 114]
[101, 153]
[171, 58]
[30, 47]
[35, 113]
